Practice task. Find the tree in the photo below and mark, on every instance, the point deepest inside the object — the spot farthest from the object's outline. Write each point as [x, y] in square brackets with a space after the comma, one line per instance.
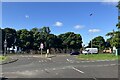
[108, 43]
[45, 31]
[71, 40]
[10, 35]
[24, 39]
[98, 42]
[36, 38]
[116, 40]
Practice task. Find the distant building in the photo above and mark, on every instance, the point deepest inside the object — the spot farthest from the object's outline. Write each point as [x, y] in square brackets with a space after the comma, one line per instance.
[107, 50]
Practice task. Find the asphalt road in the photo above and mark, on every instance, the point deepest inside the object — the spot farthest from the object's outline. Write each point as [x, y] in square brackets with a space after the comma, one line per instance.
[59, 66]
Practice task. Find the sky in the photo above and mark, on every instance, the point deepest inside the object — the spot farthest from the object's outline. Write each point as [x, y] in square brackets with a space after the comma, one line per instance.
[90, 19]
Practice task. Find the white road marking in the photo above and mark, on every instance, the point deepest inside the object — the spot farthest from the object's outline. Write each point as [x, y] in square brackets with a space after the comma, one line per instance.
[54, 69]
[56, 73]
[45, 60]
[36, 70]
[87, 61]
[63, 68]
[112, 64]
[68, 60]
[82, 61]
[77, 70]
[106, 65]
[49, 58]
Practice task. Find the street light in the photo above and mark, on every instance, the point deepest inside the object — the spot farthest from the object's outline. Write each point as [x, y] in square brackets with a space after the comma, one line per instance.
[91, 25]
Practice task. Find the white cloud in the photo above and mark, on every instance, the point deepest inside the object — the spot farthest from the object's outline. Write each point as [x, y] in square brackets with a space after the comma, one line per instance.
[110, 2]
[94, 30]
[27, 16]
[59, 24]
[78, 26]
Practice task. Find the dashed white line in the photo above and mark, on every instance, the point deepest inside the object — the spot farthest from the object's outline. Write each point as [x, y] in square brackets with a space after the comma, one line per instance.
[36, 70]
[68, 60]
[112, 64]
[63, 68]
[54, 69]
[56, 73]
[77, 70]
[106, 65]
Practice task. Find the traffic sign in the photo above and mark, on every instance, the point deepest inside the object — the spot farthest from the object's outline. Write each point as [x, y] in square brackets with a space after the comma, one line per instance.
[41, 46]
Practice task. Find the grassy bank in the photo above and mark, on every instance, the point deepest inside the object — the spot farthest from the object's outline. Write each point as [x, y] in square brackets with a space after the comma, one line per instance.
[2, 58]
[98, 57]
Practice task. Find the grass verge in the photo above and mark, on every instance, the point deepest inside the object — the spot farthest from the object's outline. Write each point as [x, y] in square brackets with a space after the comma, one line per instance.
[2, 58]
[98, 57]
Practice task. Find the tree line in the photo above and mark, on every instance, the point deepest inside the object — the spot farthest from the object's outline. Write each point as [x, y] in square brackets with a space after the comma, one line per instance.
[31, 39]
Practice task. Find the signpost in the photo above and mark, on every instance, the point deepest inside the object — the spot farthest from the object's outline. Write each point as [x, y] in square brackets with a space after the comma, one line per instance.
[5, 47]
[41, 47]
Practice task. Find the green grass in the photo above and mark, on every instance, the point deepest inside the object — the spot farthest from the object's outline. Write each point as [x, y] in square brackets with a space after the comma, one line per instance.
[98, 57]
[2, 58]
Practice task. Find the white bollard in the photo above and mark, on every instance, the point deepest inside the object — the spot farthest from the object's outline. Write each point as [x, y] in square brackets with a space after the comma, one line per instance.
[116, 52]
[47, 52]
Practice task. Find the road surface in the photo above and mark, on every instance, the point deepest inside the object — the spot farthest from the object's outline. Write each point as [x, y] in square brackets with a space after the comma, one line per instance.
[60, 66]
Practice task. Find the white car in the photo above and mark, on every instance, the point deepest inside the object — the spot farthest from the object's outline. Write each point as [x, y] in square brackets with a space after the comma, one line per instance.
[90, 50]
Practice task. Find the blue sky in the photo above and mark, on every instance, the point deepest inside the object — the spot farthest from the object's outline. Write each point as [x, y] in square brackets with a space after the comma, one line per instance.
[62, 17]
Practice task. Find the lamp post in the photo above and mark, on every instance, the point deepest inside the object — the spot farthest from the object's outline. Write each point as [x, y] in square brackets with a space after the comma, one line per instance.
[91, 25]
[5, 47]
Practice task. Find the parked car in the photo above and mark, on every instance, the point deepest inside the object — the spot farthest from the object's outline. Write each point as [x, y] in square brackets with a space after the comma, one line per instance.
[75, 53]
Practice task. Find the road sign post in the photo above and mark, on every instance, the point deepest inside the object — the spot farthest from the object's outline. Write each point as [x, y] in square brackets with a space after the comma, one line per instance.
[5, 47]
[41, 48]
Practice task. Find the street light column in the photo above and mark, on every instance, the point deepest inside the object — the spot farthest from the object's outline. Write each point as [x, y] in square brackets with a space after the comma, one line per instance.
[91, 25]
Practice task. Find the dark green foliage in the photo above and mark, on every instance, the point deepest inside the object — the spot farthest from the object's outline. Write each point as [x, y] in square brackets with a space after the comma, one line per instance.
[71, 40]
[31, 39]
[10, 35]
[98, 42]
